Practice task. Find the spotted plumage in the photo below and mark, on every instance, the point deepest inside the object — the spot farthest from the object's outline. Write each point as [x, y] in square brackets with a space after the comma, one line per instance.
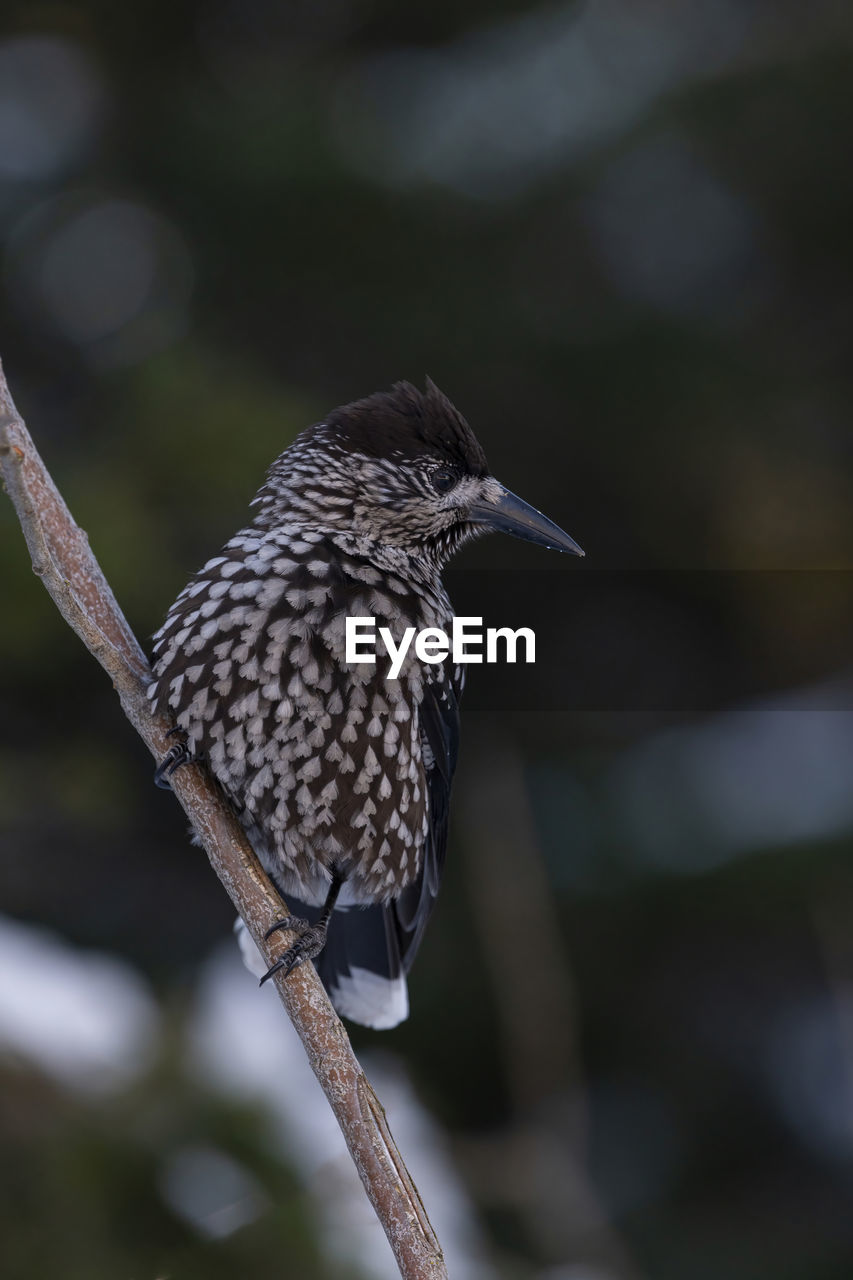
[340, 775]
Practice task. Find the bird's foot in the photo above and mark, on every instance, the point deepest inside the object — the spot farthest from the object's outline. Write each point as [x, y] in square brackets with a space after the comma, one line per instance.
[173, 759]
[310, 941]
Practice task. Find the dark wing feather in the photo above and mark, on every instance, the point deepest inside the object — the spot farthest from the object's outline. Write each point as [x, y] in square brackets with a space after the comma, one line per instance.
[359, 937]
[439, 721]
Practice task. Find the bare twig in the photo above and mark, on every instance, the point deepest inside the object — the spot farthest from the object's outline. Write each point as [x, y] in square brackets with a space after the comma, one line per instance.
[62, 558]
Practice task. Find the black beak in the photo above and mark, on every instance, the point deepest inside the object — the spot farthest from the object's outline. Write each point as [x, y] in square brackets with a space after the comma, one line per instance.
[508, 514]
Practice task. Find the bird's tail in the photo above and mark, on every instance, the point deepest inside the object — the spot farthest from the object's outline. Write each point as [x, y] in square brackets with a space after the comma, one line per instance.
[359, 966]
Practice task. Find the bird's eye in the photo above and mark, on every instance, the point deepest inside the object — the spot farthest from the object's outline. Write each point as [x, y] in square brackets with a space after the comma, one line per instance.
[443, 480]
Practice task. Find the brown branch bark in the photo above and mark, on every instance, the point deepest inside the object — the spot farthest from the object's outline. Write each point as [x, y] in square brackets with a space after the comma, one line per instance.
[62, 558]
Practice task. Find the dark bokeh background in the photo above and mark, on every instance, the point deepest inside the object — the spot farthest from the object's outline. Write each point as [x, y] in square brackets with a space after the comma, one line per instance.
[617, 233]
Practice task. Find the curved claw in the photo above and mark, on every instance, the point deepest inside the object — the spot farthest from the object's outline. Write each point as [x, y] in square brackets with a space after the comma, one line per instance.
[295, 923]
[308, 945]
[172, 760]
[178, 755]
[288, 962]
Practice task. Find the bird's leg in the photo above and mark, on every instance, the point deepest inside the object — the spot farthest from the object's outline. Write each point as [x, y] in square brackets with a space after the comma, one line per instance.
[173, 759]
[311, 937]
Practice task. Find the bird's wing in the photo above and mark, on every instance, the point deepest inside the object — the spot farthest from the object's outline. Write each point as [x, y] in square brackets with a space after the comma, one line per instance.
[370, 949]
[439, 722]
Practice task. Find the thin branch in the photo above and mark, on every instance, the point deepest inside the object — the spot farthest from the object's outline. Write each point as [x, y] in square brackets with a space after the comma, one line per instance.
[62, 558]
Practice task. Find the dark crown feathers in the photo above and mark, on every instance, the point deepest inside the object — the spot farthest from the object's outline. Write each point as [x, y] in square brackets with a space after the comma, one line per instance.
[407, 422]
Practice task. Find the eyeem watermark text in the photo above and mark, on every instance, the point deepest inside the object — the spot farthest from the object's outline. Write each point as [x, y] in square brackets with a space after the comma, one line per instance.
[466, 643]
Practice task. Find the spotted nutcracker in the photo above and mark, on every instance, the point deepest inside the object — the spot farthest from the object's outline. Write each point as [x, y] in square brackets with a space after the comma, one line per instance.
[340, 775]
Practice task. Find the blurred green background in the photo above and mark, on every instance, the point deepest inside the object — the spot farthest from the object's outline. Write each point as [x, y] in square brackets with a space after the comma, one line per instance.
[618, 235]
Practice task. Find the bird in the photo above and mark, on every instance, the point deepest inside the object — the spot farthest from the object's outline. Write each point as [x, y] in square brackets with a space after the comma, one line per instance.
[339, 775]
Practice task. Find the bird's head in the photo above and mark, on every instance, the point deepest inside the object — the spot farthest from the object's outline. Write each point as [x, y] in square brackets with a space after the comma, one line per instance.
[401, 468]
